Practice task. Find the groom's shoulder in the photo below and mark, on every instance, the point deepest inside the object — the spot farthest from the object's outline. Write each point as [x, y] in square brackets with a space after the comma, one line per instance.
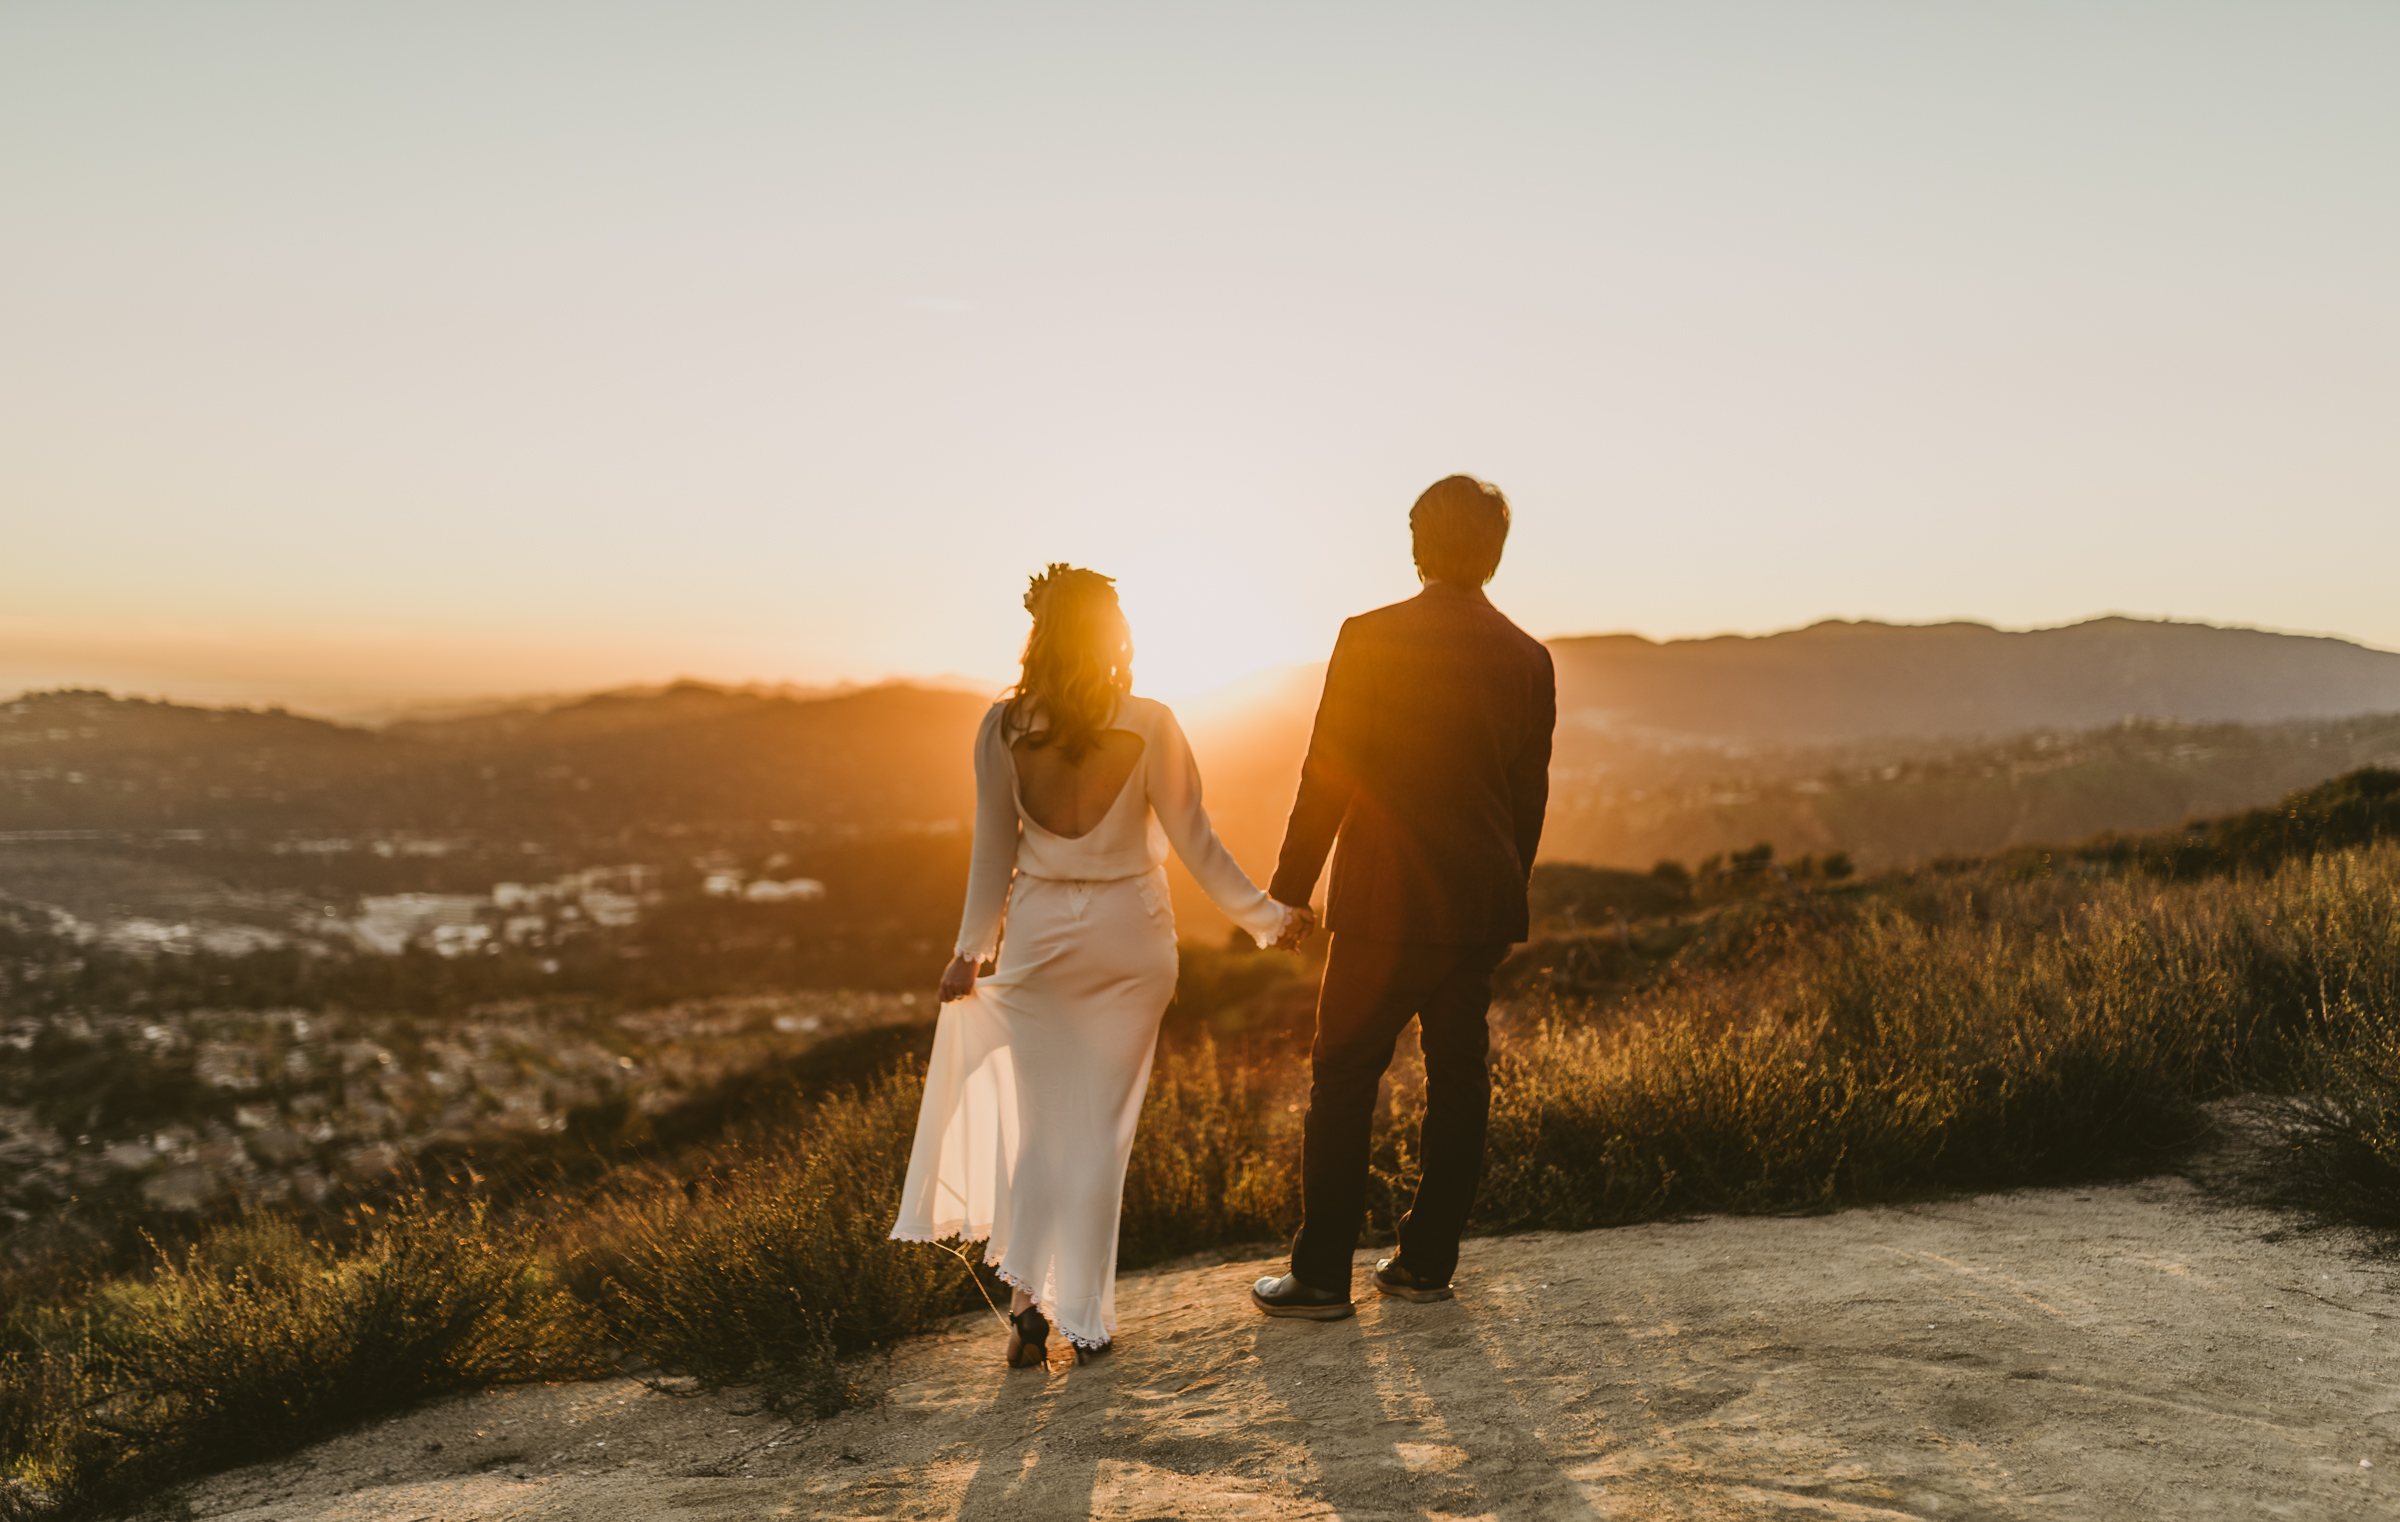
[1435, 615]
[1508, 631]
[1391, 618]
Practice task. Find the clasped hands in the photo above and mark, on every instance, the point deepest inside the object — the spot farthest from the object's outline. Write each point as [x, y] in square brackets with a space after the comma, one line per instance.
[1299, 922]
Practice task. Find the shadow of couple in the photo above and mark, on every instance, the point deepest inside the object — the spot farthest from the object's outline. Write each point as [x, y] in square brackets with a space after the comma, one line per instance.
[1403, 1409]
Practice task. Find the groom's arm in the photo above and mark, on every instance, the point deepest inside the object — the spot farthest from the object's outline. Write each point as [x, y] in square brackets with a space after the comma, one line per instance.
[1328, 777]
[1529, 773]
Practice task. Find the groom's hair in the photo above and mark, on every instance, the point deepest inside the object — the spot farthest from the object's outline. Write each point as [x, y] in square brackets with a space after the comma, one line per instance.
[1458, 527]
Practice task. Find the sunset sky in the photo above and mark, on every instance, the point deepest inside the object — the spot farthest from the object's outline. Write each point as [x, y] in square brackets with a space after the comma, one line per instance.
[353, 354]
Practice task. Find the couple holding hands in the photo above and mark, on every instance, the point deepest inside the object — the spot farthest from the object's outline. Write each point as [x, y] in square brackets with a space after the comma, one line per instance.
[1429, 761]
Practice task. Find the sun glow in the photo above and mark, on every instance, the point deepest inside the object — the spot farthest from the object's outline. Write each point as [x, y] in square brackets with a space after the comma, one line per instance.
[1201, 622]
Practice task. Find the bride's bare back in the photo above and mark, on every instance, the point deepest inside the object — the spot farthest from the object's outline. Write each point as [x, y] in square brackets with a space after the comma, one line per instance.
[1070, 798]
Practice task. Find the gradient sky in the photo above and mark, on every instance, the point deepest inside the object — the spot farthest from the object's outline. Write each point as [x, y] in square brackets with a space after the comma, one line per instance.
[355, 352]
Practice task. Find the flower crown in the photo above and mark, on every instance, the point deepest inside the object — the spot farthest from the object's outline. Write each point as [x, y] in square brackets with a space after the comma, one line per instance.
[1060, 574]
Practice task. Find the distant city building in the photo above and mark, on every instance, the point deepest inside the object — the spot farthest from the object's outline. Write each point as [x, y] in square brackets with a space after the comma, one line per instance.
[614, 910]
[458, 940]
[389, 922]
[798, 890]
[407, 845]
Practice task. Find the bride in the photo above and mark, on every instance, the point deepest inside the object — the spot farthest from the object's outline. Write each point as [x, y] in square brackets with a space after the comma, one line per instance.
[1038, 1068]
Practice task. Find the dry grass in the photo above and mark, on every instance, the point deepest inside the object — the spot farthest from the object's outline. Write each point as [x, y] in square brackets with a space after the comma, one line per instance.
[258, 1338]
[1975, 1029]
[773, 1262]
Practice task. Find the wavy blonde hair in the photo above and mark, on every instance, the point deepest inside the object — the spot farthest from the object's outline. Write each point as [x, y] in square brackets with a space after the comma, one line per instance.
[1078, 661]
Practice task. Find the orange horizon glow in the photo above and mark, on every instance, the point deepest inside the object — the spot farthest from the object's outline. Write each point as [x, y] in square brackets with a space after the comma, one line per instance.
[376, 676]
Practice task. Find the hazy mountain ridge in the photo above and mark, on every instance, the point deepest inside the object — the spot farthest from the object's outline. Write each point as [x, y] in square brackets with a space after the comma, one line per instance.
[1839, 682]
[1890, 742]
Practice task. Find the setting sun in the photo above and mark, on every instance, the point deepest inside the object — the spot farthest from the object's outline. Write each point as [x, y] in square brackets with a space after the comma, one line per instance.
[1201, 621]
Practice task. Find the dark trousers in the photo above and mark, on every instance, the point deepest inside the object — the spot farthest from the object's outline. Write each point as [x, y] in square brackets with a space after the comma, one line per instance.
[1372, 990]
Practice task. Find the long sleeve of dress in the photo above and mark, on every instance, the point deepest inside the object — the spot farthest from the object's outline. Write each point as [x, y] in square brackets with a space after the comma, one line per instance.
[1173, 779]
[994, 863]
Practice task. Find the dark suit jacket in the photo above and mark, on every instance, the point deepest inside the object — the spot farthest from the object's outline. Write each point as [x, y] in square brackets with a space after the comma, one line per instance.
[1431, 759]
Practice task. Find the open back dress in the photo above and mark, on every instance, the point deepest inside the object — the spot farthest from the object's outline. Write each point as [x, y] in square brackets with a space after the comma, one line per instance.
[1037, 1076]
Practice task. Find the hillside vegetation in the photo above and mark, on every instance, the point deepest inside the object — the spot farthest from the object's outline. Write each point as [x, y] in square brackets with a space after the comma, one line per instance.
[1776, 1040]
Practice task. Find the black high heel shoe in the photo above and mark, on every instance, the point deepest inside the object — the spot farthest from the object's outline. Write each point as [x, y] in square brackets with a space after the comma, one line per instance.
[1084, 1355]
[1033, 1339]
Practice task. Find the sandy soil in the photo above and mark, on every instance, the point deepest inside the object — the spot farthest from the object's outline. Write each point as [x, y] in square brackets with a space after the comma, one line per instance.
[2130, 1351]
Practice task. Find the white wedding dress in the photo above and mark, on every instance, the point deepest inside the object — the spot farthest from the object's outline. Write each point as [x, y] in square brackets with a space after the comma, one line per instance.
[1037, 1076]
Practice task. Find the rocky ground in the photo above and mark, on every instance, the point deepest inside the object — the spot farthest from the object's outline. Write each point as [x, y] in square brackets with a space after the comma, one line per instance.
[2129, 1351]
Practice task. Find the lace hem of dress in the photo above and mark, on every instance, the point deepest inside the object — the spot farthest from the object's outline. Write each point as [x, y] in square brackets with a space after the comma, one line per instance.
[1002, 1274]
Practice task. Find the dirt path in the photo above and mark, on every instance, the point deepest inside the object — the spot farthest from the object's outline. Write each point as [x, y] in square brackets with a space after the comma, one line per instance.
[2120, 1352]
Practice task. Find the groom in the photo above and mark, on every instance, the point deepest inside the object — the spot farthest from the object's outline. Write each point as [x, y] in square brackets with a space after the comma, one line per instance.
[1431, 762]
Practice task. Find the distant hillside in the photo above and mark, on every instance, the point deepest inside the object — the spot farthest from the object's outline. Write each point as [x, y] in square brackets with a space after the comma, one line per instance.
[1893, 804]
[160, 826]
[1840, 683]
[690, 756]
[1893, 744]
